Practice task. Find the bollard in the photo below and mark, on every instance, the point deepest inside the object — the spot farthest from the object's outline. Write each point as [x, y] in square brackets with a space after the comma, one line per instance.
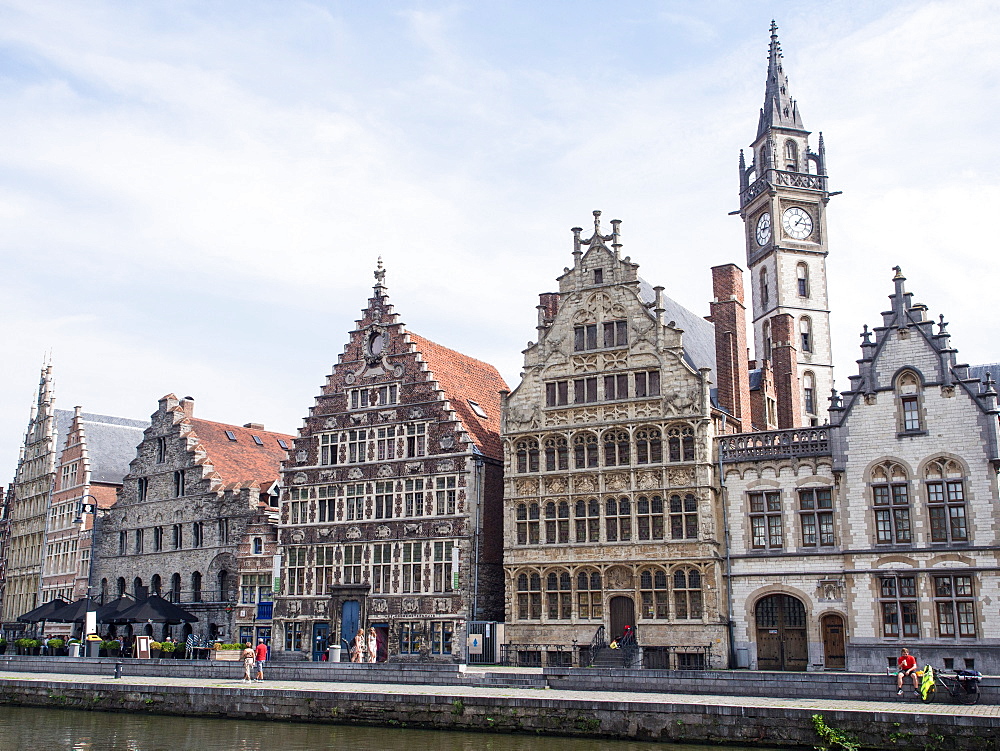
[118, 670]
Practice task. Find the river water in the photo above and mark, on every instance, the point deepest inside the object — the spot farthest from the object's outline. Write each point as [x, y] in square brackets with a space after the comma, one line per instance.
[30, 729]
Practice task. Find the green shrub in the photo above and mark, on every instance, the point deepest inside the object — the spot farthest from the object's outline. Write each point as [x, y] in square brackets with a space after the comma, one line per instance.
[155, 645]
[26, 643]
[55, 643]
[167, 647]
[111, 645]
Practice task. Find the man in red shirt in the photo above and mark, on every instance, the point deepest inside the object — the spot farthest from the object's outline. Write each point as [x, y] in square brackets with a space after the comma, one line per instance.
[906, 664]
[260, 654]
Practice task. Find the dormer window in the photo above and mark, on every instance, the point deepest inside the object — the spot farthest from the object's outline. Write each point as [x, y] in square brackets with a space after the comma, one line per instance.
[257, 440]
[283, 444]
[908, 393]
[230, 435]
[480, 412]
[598, 276]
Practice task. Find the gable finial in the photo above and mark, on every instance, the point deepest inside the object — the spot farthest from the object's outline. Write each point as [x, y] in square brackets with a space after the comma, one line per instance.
[379, 278]
[899, 273]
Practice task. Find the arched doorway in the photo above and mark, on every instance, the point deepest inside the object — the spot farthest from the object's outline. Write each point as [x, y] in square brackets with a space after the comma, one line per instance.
[622, 615]
[781, 633]
[833, 642]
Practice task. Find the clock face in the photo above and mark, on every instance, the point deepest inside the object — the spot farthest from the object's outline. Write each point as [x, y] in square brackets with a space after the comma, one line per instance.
[797, 223]
[763, 232]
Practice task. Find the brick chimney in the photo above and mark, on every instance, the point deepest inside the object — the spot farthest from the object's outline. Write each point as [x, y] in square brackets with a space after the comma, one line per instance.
[548, 306]
[729, 316]
[784, 361]
[187, 405]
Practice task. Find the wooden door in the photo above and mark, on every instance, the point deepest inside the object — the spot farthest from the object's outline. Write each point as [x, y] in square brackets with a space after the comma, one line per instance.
[833, 642]
[622, 615]
[782, 643]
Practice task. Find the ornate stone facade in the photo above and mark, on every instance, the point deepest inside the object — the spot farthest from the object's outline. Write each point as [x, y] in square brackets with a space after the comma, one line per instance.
[611, 512]
[391, 513]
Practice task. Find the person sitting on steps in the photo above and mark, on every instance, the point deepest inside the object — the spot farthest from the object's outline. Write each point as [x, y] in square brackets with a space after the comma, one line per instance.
[906, 665]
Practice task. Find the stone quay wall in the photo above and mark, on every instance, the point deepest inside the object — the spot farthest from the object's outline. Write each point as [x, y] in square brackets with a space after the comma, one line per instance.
[529, 713]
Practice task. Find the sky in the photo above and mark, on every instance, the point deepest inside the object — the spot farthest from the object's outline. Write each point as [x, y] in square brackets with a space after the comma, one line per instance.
[194, 195]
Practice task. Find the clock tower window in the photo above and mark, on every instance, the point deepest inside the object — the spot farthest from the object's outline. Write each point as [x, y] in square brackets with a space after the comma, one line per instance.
[802, 273]
[805, 329]
[791, 156]
[765, 295]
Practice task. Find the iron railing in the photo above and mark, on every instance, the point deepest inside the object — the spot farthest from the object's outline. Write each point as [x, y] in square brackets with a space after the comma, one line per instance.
[775, 444]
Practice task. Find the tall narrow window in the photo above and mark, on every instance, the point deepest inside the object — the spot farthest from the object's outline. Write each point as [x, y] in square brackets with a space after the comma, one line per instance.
[383, 499]
[765, 291]
[444, 495]
[527, 523]
[898, 600]
[891, 500]
[809, 393]
[529, 597]
[442, 566]
[946, 501]
[385, 442]
[556, 393]
[649, 518]
[802, 279]
[527, 455]
[352, 564]
[413, 497]
[683, 517]
[653, 591]
[589, 596]
[179, 488]
[328, 453]
[556, 522]
[357, 445]
[416, 439]
[687, 594]
[354, 503]
[585, 450]
[381, 575]
[326, 566]
[648, 446]
[559, 593]
[556, 454]
[791, 156]
[198, 534]
[765, 336]
[616, 386]
[161, 450]
[616, 448]
[765, 519]
[142, 488]
[908, 394]
[412, 578]
[647, 384]
[588, 521]
[157, 539]
[805, 332]
[178, 537]
[196, 586]
[615, 334]
[618, 519]
[326, 504]
[585, 390]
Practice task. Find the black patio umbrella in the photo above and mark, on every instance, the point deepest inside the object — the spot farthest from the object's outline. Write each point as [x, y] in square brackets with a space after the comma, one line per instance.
[75, 612]
[109, 613]
[156, 610]
[43, 612]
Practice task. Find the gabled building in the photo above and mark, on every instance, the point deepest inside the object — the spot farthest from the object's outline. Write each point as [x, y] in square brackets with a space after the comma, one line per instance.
[94, 456]
[391, 516]
[879, 531]
[191, 491]
[612, 516]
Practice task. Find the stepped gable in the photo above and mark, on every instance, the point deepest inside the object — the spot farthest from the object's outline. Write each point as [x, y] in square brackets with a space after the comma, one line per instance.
[242, 461]
[464, 378]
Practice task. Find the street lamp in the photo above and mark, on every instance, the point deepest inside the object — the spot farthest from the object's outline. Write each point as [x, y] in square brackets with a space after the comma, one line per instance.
[82, 508]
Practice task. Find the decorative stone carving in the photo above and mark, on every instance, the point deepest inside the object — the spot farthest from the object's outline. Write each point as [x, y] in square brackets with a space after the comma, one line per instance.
[442, 605]
[443, 529]
[299, 478]
[330, 423]
[382, 532]
[327, 475]
[647, 480]
[947, 391]
[414, 468]
[585, 483]
[409, 605]
[354, 473]
[616, 482]
[584, 363]
[830, 589]
[680, 476]
[319, 607]
[388, 415]
[870, 399]
[557, 418]
[357, 419]
[350, 379]
[294, 607]
[411, 529]
[527, 487]
[416, 413]
[446, 465]
[647, 409]
[297, 536]
[323, 531]
[397, 370]
[616, 413]
[385, 471]
[555, 485]
[301, 455]
[681, 401]
[379, 605]
[615, 360]
[353, 533]
[522, 417]
[447, 442]
[619, 577]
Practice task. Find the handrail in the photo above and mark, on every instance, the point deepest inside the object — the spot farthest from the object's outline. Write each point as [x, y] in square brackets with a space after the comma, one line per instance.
[775, 444]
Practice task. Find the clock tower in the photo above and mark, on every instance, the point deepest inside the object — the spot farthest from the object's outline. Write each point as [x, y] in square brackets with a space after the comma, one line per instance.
[783, 198]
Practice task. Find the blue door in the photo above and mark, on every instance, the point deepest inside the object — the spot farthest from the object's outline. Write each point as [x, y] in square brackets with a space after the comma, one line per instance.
[349, 616]
[321, 632]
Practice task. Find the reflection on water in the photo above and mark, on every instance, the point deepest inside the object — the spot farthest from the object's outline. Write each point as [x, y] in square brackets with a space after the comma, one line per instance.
[28, 729]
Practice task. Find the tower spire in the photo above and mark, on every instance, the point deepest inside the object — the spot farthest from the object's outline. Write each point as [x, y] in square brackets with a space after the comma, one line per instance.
[779, 110]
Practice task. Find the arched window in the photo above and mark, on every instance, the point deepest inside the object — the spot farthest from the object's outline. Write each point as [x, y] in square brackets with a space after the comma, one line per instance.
[527, 455]
[946, 501]
[891, 501]
[687, 594]
[802, 275]
[527, 523]
[683, 517]
[765, 291]
[175, 588]
[120, 589]
[809, 393]
[680, 441]
[556, 522]
[805, 332]
[649, 517]
[908, 396]
[559, 595]
[765, 335]
[616, 444]
[529, 597]
[179, 483]
[653, 591]
[648, 446]
[223, 586]
[155, 585]
[791, 156]
[588, 521]
[104, 590]
[589, 598]
[556, 454]
[618, 519]
[137, 587]
[585, 450]
[196, 586]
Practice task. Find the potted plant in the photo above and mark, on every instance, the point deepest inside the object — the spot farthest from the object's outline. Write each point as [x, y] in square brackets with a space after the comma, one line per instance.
[112, 647]
[167, 649]
[3, 646]
[226, 652]
[154, 649]
[27, 646]
[57, 647]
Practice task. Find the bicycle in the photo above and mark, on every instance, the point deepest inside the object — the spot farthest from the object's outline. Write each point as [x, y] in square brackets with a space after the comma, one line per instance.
[962, 686]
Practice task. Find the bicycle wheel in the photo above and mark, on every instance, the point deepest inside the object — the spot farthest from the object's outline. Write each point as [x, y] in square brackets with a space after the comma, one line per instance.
[929, 696]
[968, 697]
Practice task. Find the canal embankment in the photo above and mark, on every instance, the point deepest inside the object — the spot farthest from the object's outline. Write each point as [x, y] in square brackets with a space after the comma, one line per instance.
[674, 716]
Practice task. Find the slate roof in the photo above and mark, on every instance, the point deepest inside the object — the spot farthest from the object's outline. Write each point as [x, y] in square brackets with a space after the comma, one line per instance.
[242, 462]
[111, 442]
[755, 378]
[464, 378]
[699, 334]
[979, 371]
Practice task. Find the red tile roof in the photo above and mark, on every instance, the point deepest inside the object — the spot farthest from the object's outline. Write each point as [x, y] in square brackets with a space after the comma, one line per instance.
[241, 461]
[464, 378]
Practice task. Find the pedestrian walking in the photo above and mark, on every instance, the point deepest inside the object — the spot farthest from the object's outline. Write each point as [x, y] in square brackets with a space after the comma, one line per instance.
[372, 645]
[248, 658]
[261, 657]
